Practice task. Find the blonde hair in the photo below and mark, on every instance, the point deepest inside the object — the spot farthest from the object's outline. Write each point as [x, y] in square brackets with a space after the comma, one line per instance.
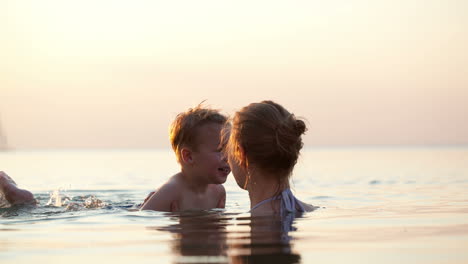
[183, 130]
[265, 135]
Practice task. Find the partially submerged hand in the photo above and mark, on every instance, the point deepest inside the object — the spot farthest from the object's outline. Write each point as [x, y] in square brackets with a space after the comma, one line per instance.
[13, 194]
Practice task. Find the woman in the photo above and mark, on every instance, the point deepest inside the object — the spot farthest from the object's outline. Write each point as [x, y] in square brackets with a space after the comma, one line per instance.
[262, 142]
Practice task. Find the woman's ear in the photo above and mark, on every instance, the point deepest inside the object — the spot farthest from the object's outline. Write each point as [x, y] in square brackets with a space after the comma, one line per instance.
[186, 155]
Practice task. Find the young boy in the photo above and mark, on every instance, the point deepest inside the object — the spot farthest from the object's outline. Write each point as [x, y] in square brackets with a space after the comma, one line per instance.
[195, 139]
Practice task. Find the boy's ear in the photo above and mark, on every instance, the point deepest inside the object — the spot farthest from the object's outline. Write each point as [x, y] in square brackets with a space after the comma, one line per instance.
[186, 155]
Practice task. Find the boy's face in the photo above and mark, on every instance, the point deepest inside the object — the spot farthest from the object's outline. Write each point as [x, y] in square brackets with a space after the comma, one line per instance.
[208, 160]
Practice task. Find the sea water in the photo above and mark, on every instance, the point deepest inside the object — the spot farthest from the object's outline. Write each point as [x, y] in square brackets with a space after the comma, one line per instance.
[375, 205]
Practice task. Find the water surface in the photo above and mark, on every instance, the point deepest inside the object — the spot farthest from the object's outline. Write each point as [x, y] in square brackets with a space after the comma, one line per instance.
[376, 205]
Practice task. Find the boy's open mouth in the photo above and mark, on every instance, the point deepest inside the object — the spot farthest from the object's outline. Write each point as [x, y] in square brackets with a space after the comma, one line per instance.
[226, 169]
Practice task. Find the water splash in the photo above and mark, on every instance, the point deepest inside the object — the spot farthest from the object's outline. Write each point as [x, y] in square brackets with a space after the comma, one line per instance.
[57, 199]
[93, 202]
[88, 202]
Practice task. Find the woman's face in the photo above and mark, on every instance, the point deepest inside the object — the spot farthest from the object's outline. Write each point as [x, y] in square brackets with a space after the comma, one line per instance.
[240, 173]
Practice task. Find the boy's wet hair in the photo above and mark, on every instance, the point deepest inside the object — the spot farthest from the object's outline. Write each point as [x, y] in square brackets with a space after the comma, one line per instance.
[269, 136]
[183, 130]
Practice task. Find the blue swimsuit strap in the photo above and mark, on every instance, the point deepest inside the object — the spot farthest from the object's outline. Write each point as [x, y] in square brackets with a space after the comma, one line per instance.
[288, 202]
[265, 201]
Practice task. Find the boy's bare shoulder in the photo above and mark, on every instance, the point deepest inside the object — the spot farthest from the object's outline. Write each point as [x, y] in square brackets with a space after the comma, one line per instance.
[164, 197]
[219, 193]
[217, 189]
[170, 188]
[173, 183]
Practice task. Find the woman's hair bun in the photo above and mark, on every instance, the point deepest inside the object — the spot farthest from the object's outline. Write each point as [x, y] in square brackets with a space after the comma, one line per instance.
[300, 127]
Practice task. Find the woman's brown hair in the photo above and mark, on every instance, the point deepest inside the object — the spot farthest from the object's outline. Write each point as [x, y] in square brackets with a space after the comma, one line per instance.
[267, 137]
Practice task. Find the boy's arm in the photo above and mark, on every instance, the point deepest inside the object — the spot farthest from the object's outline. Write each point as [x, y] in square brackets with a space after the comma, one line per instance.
[222, 199]
[164, 199]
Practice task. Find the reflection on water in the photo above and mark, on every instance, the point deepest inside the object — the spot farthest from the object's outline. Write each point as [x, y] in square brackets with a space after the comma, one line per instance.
[217, 237]
[198, 237]
[269, 241]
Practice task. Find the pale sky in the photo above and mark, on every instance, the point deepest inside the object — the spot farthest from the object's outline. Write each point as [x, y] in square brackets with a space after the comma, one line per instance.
[113, 74]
